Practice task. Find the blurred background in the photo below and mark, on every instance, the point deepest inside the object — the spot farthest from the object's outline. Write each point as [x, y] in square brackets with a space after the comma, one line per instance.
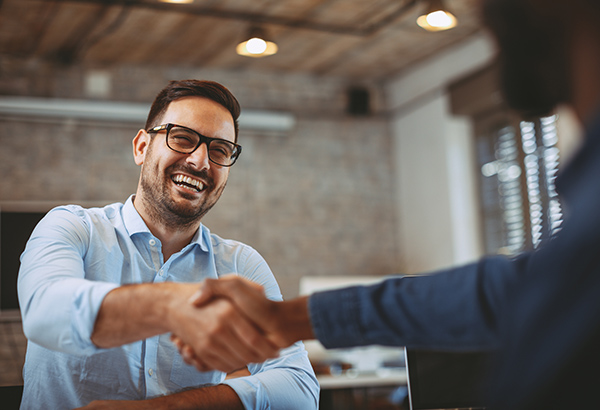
[371, 146]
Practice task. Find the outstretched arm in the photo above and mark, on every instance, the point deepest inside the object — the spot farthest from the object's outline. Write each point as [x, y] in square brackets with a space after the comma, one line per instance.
[224, 335]
[396, 312]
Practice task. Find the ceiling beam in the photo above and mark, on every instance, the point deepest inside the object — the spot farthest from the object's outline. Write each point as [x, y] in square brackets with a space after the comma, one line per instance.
[353, 30]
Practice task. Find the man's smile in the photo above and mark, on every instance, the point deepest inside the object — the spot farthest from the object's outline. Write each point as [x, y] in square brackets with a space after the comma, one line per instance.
[188, 182]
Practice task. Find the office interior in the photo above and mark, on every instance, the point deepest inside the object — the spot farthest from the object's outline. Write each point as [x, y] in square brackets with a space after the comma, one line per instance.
[364, 155]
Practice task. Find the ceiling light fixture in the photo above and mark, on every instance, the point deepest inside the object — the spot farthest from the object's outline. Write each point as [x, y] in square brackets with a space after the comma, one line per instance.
[256, 45]
[436, 17]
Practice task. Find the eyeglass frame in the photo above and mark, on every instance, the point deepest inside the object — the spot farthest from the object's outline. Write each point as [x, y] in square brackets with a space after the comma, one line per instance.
[202, 139]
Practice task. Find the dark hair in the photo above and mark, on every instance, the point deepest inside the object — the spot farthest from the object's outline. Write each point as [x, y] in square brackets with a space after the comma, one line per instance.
[176, 90]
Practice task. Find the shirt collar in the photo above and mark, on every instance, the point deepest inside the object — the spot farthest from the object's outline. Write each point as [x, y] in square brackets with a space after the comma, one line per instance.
[132, 219]
[136, 225]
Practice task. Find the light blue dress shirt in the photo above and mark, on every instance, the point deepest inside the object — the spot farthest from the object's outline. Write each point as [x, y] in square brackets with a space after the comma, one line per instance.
[74, 257]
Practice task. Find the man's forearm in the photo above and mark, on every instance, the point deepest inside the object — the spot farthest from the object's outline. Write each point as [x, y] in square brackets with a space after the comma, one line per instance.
[219, 397]
[135, 312]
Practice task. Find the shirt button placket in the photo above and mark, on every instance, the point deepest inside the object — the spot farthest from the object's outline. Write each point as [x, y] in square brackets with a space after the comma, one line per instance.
[151, 366]
[156, 257]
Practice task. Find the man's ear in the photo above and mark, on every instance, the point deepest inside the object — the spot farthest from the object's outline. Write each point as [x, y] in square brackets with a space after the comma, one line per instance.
[141, 142]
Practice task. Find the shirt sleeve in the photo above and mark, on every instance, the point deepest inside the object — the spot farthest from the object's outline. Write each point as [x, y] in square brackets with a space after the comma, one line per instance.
[287, 382]
[58, 305]
[455, 309]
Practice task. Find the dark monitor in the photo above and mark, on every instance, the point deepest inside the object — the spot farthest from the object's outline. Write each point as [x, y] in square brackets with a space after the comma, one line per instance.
[447, 380]
[15, 230]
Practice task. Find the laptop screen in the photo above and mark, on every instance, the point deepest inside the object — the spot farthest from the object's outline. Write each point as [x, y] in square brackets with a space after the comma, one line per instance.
[446, 380]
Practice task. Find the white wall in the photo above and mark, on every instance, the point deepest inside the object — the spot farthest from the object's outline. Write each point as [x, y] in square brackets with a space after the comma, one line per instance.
[437, 208]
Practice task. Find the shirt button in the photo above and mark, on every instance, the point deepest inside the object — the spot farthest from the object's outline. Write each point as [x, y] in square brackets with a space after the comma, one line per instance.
[150, 372]
[160, 272]
[152, 242]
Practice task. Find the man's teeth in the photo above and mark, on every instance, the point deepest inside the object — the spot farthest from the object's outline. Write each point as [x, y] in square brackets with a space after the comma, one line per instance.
[178, 179]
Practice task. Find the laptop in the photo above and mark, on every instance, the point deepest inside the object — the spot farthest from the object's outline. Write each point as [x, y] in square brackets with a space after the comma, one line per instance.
[446, 380]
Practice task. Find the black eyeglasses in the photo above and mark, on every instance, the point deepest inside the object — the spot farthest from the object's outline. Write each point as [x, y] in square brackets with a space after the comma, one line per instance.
[185, 141]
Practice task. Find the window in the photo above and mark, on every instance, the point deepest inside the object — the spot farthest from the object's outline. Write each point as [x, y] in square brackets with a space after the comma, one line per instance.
[518, 165]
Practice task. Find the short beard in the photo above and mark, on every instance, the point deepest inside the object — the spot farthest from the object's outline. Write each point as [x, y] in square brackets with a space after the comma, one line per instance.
[533, 56]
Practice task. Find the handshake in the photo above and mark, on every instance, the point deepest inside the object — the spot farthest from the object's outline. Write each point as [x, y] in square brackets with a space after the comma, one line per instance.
[239, 325]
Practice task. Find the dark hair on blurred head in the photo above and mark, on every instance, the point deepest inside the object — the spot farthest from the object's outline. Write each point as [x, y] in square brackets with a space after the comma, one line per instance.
[176, 90]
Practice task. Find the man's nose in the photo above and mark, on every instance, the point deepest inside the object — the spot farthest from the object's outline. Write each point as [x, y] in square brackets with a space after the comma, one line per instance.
[199, 158]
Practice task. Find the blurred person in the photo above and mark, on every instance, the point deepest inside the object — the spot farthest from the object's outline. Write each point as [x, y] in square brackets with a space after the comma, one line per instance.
[101, 288]
[539, 311]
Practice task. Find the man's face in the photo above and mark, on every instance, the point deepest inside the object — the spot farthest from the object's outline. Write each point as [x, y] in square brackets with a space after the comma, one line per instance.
[178, 189]
[533, 54]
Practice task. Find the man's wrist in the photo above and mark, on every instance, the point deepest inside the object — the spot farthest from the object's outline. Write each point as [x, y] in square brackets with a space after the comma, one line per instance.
[294, 320]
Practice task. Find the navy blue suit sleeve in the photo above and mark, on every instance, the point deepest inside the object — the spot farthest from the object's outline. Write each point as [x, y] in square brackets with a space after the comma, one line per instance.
[456, 309]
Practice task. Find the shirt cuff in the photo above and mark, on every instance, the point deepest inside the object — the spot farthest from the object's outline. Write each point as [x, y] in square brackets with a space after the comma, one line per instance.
[249, 390]
[86, 305]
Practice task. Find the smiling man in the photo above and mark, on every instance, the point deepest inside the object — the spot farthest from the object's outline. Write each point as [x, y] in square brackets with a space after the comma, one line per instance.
[102, 289]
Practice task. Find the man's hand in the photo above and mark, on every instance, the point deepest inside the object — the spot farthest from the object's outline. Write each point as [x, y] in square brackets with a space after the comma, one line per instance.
[281, 323]
[220, 335]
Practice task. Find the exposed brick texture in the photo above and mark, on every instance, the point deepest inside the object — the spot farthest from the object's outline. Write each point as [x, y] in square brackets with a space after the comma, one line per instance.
[318, 201]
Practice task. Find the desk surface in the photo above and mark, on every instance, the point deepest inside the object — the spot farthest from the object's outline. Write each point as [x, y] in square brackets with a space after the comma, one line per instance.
[349, 380]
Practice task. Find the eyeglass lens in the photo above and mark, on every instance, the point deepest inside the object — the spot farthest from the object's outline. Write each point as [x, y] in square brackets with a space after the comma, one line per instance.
[186, 141]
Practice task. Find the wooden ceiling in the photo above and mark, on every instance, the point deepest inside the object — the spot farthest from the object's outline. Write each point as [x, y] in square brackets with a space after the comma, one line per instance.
[368, 39]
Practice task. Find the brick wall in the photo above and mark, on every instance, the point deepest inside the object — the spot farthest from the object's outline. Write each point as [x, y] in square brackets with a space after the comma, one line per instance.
[317, 201]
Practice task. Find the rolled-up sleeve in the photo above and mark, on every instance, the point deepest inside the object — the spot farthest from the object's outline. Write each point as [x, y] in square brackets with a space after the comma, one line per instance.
[287, 382]
[58, 305]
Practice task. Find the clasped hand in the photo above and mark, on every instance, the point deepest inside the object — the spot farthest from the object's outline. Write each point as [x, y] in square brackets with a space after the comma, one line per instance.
[239, 326]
